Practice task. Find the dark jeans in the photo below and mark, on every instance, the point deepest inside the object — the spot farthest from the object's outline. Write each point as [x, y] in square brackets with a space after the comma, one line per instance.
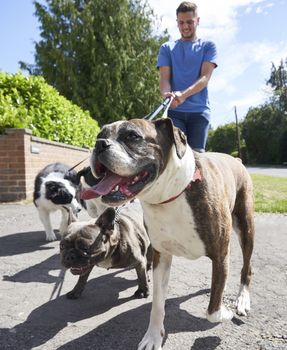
[194, 125]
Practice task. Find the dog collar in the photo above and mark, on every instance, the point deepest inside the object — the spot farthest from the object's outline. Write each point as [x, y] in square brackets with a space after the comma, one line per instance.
[196, 176]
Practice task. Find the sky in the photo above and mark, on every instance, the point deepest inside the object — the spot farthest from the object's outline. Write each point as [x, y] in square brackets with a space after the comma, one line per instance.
[250, 35]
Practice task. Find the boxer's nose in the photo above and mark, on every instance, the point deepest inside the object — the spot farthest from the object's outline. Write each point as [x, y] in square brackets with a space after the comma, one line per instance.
[102, 145]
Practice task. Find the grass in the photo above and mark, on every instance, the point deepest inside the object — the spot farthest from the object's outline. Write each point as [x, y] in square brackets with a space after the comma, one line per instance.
[270, 193]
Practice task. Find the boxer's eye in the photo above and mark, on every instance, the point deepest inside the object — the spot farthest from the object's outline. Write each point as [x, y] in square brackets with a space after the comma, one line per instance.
[133, 136]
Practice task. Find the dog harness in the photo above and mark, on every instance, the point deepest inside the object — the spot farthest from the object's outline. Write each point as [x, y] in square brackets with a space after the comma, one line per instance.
[196, 176]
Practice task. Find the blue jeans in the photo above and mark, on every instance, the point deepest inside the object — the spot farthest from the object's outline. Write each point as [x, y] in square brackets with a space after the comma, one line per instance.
[194, 125]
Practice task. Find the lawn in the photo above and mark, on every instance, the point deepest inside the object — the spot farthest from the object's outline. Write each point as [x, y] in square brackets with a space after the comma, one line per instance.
[270, 193]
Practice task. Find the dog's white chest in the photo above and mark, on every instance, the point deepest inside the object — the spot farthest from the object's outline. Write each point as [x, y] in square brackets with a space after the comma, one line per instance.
[172, 229]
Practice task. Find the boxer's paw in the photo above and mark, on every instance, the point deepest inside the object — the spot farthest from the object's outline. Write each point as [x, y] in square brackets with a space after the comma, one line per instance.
[222, 315]
[243, 301]
[152, 340]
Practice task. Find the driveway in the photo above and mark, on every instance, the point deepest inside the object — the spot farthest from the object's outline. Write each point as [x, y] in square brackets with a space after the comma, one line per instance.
[35, 313]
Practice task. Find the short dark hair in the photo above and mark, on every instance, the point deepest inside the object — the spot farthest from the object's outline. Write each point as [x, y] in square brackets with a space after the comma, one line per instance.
[187, 6]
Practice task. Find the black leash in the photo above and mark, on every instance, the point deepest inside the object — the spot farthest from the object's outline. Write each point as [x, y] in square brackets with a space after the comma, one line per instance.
[82, 161]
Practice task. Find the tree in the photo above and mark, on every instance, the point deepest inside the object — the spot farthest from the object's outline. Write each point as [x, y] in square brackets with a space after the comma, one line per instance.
[278, 81]
[100, 54]
[265, 127]
[265, 132]
[223, 139]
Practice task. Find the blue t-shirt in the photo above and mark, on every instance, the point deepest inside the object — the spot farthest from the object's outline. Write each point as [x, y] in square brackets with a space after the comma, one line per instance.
[185, 59]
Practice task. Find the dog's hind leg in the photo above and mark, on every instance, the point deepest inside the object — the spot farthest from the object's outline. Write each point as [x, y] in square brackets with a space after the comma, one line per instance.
[243, 224]
[45, 218]
[217, 311]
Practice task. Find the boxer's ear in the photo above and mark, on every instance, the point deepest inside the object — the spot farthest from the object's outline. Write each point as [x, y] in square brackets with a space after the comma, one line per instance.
[174, 134]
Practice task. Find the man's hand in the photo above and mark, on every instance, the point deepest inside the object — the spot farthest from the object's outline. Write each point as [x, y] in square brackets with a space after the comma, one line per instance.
[178, 98]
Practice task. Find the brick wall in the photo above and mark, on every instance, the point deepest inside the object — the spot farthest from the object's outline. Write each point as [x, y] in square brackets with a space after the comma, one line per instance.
[22, 156]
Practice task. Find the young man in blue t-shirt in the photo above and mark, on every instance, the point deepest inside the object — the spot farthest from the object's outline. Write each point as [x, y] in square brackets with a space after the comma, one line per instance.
[185, 67]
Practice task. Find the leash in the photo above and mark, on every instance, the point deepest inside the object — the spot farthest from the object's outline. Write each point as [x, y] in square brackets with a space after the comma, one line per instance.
[82, 161]
[163, 106]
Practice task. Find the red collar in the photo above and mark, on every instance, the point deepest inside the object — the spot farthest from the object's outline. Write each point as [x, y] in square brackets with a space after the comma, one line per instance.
[196, 176]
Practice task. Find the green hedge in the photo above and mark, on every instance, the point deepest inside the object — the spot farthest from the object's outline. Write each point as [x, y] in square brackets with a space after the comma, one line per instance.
[29, 102]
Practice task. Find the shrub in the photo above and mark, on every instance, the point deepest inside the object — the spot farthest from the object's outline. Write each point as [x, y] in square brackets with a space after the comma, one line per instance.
[265, 130]
[29, 102]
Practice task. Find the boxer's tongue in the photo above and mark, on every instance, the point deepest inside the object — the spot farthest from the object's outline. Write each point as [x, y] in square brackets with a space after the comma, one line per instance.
[104, 187]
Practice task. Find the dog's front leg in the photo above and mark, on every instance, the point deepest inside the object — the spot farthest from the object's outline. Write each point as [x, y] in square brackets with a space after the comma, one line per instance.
[76, 292]
[45, 218]
[155, 333]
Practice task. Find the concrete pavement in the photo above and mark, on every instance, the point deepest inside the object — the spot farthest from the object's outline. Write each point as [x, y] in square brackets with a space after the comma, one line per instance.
[35, 313]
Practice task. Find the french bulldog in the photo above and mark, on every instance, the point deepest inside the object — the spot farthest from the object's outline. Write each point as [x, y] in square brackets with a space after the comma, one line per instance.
[190, 203]
[117, 239]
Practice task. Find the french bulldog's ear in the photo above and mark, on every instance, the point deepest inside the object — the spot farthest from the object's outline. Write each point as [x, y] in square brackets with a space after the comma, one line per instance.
[72, 217]
[107, 219]
[174, 134]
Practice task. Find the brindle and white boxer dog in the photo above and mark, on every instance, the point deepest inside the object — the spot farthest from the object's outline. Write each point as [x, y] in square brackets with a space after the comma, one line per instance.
[190, 202]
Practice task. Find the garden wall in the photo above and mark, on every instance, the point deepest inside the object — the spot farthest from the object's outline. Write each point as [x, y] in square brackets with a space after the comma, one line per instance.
[22, 156]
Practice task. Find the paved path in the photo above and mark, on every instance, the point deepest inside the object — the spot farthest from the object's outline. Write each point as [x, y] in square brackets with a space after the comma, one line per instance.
[271, 171]
[35, 313]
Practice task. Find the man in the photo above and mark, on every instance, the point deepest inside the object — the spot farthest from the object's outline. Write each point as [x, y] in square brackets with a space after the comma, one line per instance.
[185, 67]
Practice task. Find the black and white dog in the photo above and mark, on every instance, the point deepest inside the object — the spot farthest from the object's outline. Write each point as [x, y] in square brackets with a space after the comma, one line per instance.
[56, 188]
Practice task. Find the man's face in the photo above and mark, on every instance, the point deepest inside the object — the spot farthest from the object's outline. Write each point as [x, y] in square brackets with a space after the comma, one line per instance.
[187, 23]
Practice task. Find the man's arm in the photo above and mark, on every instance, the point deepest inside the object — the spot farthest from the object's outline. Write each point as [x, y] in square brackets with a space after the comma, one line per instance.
[165, 86]
[180, 96]
[205, 74]
[164, 81]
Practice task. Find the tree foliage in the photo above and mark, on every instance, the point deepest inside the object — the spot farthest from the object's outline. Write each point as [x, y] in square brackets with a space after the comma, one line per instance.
[278, 81]
[265, 126]
[29, 102]
[223, 139]
[100, 54]
[265, 134]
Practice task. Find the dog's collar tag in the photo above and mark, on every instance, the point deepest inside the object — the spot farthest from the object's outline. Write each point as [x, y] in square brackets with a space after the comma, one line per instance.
[196, 176]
